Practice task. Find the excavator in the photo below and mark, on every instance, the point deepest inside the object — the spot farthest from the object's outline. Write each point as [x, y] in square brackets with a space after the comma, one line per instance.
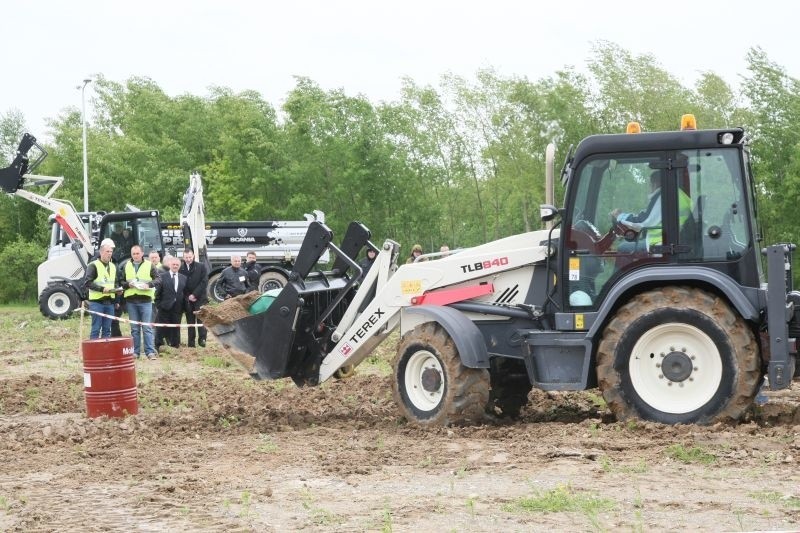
[676, 321]
[60, 276]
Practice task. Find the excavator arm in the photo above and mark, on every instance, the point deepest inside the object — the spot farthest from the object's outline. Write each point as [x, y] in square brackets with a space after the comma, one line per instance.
[321, 322]
[193, 219]
[16, 179]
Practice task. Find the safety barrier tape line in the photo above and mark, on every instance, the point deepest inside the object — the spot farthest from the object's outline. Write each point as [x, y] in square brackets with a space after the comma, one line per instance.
[129, 321]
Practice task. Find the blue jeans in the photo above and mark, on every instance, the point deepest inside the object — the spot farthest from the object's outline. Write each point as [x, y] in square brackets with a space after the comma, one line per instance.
[100, 322]
[141, 312]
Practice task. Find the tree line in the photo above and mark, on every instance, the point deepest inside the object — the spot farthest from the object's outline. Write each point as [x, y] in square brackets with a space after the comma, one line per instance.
[459, 163]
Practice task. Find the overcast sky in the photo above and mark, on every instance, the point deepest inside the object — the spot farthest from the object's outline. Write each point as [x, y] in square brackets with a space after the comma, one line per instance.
[361, 46]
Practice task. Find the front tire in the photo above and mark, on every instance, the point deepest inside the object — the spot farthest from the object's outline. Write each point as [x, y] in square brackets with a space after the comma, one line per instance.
[430, 384]
[58, 301]
[678, 355]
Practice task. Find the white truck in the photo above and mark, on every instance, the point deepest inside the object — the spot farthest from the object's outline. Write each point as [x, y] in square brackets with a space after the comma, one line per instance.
[276, 244]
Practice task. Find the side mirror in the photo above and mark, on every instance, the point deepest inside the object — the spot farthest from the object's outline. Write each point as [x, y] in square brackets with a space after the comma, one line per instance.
[547, 212]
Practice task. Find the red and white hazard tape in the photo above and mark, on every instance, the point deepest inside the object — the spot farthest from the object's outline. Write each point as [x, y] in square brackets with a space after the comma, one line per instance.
[129, 321]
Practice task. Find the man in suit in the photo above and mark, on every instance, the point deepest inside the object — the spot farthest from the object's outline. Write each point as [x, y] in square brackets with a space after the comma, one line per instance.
[169, 301]
[195, 293]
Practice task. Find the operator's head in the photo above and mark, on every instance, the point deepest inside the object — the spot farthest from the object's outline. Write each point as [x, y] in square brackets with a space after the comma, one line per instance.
[655, 180]
[188, 255]
[236, 261]
[371, 253]
[136, 253]
[416, 249]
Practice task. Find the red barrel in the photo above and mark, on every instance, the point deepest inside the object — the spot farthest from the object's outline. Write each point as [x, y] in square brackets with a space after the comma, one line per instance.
[109, 377]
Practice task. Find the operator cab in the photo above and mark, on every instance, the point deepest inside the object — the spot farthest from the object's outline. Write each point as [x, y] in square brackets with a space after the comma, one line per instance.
[129, 228]
[655, 199]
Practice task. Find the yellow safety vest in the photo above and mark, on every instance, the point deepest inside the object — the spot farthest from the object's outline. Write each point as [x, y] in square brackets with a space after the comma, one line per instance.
[654, 235]
[106, 275]
[143, 274]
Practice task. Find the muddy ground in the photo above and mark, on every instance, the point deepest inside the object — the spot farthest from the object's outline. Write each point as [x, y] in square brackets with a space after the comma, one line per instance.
[212, 450]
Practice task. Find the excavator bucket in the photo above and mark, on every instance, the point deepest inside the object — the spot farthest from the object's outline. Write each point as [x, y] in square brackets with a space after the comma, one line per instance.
[292, 336]
[12, 176]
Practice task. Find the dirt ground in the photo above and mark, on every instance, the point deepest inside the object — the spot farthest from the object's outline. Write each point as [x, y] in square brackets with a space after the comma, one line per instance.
[213, 450]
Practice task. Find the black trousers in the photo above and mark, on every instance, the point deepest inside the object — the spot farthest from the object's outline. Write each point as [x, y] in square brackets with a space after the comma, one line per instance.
[115, 329]
[172, 336]
[191, 318]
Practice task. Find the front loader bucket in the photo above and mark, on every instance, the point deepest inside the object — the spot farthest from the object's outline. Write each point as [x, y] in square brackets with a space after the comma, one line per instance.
[11, 177]
[267, 336]
[291, 337]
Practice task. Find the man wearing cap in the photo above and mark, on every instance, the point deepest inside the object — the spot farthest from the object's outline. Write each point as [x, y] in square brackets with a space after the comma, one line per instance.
[101, 275]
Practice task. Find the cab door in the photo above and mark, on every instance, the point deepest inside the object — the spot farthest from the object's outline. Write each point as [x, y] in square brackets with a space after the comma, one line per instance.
[598, 247]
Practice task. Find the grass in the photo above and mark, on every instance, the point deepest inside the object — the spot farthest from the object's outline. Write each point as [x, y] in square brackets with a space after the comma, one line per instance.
[380, 365]
[318, 515]
[387, 520]
[32, 398]
[559, 500]
[4, 505]
[266, 444]
[607, 465]
[245, 500]
[228, 422]
[695, 454]
[771, 496]
[596, 400]
[215, 361]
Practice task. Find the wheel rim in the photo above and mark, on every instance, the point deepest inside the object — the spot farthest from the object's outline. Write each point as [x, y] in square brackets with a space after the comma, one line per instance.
[271, 284]
[424, 390]
[218, 292]
[58, 302]
[675, 368]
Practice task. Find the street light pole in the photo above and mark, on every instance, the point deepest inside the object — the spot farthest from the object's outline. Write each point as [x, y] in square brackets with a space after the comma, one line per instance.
[85, 166]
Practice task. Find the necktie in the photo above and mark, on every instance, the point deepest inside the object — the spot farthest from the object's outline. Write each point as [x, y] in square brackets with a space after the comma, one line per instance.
[175, 282]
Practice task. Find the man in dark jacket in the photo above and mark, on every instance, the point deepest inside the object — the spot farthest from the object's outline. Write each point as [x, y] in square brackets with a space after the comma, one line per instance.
[169, 301]
[253, 270]
[195, 294]
[233, 280]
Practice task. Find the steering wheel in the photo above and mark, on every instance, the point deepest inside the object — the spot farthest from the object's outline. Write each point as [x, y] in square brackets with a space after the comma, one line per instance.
[587, 236]
[626, 232]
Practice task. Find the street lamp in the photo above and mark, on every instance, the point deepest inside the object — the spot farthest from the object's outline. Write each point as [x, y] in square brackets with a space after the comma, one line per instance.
[85, 166]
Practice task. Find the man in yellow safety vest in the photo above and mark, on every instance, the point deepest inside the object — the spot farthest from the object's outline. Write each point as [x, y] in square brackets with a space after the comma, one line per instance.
[101, 275]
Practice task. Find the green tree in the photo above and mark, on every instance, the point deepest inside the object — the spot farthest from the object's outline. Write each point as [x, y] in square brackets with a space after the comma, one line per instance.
[774, 108]
[17, 259]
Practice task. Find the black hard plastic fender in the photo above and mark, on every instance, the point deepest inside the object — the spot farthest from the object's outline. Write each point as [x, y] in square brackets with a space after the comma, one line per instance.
[467, 337]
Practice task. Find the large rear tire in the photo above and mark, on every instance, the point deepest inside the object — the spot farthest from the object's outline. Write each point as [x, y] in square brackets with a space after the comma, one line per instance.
[271, 280]
[678, 355]
[58, 301]
[215, 293]
[430, 384]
